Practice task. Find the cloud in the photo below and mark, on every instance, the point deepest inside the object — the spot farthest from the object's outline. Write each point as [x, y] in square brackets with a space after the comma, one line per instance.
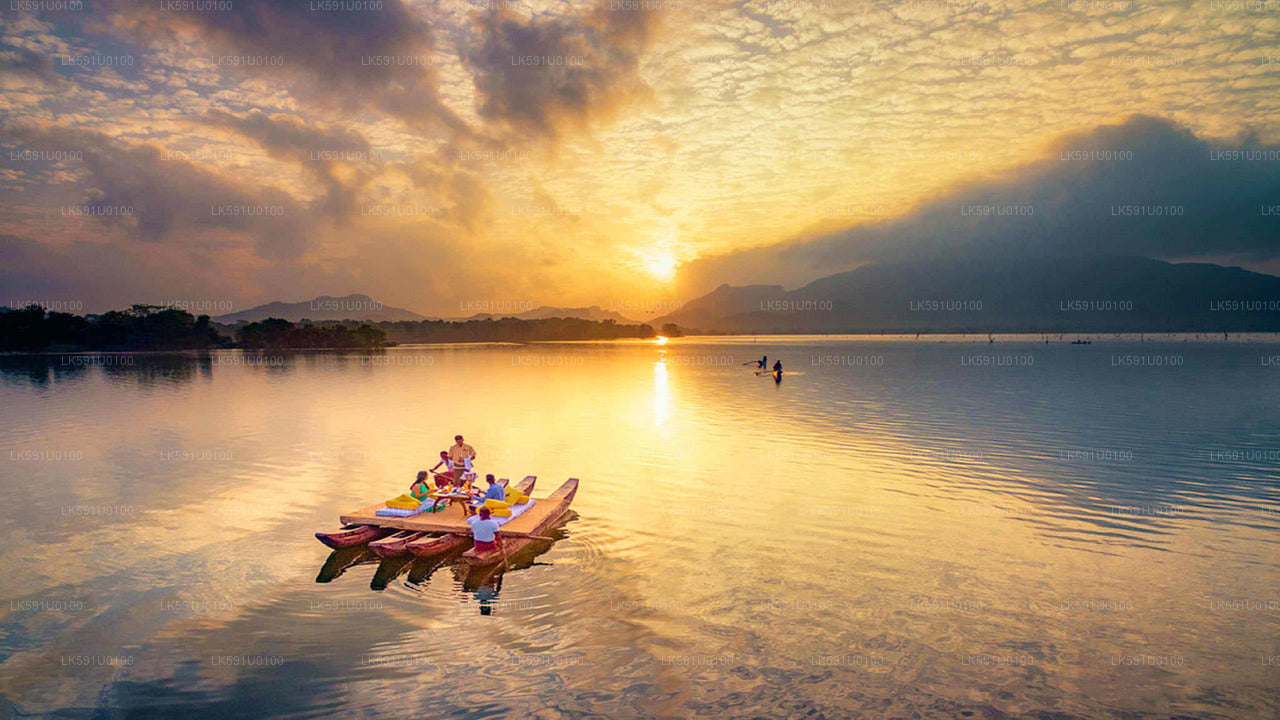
[289, 135]
[340, 158]
[160, 199]
[547, 75]
[370, 58]
[1144, 186]
[20, 67]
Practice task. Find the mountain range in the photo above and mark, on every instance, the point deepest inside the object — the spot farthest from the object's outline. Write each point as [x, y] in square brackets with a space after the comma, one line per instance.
[968, 293]
[364, 308]
[592, 312]
[325, 307]
[1096, 293]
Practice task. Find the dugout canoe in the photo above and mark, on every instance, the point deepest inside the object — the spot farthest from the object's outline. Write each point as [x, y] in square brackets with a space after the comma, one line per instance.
[549, 511]
[351, 535]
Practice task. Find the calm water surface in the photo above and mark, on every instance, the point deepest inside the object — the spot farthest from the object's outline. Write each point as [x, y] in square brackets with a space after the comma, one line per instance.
[897, 529]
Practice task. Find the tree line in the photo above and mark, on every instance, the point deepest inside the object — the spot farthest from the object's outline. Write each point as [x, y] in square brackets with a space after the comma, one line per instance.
[141, 327]
[510, 329]
[153, 327]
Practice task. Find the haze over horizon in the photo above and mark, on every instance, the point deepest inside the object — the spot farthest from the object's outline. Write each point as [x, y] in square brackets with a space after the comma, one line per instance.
[629, 155]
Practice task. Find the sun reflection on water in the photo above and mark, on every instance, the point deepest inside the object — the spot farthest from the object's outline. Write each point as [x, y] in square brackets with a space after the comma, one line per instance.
[661, 391]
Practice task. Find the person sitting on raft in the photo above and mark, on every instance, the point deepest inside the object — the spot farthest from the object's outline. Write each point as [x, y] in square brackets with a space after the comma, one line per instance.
[442, 479]
[764, 360]
[484, 532]
[420, 488]
[495, 491]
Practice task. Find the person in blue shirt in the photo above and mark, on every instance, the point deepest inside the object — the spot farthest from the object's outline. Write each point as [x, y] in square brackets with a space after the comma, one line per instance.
[484, 532]
[495, 491]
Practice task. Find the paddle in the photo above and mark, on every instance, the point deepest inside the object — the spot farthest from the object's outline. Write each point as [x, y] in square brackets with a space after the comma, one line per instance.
[531, 536]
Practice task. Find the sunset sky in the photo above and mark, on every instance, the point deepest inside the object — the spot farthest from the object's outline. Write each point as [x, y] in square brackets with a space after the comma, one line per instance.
[436, 155]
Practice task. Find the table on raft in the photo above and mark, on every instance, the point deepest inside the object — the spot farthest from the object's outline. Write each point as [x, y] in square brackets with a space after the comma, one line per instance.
[452, 519]
[462, 499]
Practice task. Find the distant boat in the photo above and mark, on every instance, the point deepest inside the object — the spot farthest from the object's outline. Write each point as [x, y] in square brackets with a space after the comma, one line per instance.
[1081, 342]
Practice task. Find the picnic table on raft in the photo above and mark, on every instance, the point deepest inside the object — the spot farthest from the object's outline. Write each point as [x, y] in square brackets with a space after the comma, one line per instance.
[461, 497]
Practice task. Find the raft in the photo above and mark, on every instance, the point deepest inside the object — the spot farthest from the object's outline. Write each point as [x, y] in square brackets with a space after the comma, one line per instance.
[436, 533]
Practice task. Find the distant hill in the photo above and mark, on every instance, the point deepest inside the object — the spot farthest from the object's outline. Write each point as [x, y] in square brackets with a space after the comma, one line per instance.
[363, 307]
[325, 307]
[509, 329]
[1001, 294]
[594, 313]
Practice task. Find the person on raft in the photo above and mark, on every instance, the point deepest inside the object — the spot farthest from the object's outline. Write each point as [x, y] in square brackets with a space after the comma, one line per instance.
[777, 367]
[495, 491]
[763, 362]
[420, 488]
[442, 479]
[484, 532]
[462, 455]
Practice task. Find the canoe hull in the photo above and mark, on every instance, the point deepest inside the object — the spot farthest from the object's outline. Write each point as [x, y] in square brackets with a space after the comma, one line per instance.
[512, 545]
[439, 545]
[393, 545]
[352, 535]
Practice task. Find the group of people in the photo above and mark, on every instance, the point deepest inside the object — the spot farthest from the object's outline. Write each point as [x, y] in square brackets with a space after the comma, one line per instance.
[763, 362]
[457, 462]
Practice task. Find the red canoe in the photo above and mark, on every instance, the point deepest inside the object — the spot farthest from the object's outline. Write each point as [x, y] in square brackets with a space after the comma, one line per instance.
[352, 535]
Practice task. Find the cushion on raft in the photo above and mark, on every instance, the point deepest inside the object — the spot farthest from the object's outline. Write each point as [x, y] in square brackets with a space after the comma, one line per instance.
[500, 512]
[515, 497]
[491, 503]
[395, 512]
[404, 502]
[516, 511]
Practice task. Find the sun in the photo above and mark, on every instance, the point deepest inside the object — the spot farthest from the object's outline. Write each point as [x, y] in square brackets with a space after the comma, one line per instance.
[662, 266]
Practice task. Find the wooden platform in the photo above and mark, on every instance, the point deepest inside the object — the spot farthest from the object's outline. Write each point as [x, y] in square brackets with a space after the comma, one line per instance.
[451, 519]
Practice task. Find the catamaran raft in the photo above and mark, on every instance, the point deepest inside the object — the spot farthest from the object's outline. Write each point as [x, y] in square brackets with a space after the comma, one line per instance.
[447, 529]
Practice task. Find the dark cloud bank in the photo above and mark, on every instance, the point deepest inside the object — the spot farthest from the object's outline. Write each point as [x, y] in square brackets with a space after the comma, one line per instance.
[1079, 200]
[1074, 242]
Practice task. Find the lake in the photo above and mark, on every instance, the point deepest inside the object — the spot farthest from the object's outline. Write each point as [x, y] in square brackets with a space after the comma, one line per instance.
[942, 527]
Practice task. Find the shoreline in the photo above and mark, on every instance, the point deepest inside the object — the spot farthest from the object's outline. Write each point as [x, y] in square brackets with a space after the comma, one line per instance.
[735, 339]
